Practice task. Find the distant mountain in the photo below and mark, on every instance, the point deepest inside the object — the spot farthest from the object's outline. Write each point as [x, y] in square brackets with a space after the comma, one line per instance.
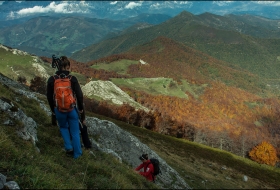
[203, 33]
[246, 24]
[47, 35]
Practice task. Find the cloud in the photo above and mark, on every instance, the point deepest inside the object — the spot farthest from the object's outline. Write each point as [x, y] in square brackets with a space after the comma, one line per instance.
[63, 7]
[184, 2]
[268, 3]
[113, 3]
[132, 5]
[222, 3]
[155, 6]
[1, 2]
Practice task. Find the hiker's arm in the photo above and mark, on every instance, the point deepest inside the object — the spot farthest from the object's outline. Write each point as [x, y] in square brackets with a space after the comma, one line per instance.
[139, 167]
[78, 92]
[148, 172]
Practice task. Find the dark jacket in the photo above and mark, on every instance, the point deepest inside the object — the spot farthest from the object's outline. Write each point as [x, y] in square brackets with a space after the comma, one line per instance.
[74, 85]
[148, 170]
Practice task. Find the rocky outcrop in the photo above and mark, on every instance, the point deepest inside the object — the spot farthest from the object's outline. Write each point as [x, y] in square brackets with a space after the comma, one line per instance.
[28, 130]
[23, 90]
[9, 83]
[112, 139]
[107, 90]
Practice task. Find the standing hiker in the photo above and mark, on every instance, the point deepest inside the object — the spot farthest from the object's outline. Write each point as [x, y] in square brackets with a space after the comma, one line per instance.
[63, 92]
[148, 167]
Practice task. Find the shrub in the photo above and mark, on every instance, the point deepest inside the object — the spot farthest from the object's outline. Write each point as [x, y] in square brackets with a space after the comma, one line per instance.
[264, 153]
[21, 79]
[38, 84]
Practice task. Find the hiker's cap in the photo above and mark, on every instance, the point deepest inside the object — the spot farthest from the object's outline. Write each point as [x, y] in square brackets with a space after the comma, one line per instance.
[144, 157]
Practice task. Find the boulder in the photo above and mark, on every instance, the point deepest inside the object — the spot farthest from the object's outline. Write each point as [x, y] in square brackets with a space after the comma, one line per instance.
[120, 143]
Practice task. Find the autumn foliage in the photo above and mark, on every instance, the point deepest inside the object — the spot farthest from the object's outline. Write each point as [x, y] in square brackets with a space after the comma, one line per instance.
[264, 153]
[226, 113]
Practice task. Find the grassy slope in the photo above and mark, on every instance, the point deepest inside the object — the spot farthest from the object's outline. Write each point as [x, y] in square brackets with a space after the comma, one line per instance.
[22, 66]
[51, 168]
[119, 67]
[154, 86]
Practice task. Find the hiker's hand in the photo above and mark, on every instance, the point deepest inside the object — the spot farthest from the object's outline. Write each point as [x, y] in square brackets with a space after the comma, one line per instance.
[53, 119]
[83, 122]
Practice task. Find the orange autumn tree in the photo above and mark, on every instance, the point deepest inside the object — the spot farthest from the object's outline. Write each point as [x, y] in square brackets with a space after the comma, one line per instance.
[264, 153]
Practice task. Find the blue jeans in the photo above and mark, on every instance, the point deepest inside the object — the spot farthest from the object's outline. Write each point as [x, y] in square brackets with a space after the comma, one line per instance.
[66, 121]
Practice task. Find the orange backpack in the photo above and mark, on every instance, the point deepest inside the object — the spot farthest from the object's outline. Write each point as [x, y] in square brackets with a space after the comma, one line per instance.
[63, 94]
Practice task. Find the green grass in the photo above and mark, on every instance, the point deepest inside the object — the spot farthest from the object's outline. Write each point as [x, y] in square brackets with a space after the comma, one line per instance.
[81, 78]
[157, 86]
[17, 62]
[193, 89]
[119, 67]
[21, 65]
[162, 86]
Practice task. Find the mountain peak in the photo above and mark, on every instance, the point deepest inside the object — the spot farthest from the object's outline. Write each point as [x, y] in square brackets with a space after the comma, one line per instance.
[185, 14]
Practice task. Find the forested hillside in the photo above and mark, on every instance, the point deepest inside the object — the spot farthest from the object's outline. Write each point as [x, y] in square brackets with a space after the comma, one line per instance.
[225, 106]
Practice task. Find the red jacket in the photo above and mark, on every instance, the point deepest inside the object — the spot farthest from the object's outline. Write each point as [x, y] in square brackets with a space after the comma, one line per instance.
[148, 170]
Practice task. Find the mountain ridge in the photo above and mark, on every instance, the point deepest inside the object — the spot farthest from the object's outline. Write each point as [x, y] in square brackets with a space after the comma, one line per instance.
[47, 35]
[245, 51]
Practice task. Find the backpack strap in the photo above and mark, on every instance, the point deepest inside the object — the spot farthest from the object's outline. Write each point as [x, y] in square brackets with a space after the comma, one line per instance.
[55, 77]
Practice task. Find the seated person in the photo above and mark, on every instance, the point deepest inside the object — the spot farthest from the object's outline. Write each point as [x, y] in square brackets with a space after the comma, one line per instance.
[148, 168]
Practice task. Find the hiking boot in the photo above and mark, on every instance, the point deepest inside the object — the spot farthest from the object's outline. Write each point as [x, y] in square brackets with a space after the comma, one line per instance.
[69, 152]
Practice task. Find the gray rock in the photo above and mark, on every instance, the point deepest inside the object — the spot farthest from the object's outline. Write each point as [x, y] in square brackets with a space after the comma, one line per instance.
[4, 106]
[224, 168]
[245, 178]
[28, 131]
[8, 122]
[112, 139]
[2, 180]
[33, 95]
[11, 185]
[228, 178]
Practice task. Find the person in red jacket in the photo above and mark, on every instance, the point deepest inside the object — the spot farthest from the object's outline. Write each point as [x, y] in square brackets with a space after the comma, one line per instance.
[148, 168]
